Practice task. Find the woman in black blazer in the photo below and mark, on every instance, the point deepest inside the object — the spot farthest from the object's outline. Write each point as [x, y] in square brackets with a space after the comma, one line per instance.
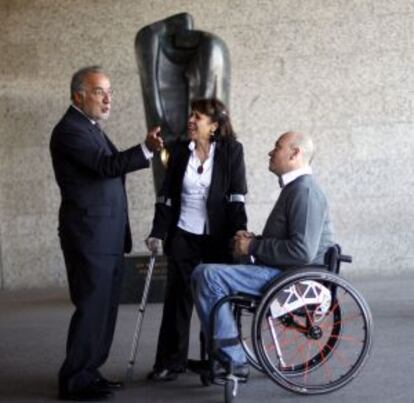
[198, 210]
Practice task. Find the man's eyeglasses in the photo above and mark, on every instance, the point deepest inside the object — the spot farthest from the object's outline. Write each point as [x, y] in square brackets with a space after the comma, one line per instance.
[100, 92]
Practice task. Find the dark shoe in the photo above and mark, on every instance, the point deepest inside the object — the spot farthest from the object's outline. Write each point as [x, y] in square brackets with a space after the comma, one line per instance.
[163, 375]
[198, 366]
[90, 393]
[107, 384]
[241, 371]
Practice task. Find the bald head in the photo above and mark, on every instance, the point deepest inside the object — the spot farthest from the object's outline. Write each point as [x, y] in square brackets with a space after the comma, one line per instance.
[304, 143]
[293, 150]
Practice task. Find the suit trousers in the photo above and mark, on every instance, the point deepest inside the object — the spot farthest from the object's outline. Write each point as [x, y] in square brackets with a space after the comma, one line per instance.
[186, 252]
[94, 284]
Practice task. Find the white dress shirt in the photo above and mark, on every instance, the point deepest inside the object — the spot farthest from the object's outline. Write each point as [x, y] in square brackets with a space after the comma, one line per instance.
[193, 216]
[292, 175]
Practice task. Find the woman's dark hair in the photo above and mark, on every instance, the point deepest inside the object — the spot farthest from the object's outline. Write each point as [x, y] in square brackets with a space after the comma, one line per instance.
[217, 112]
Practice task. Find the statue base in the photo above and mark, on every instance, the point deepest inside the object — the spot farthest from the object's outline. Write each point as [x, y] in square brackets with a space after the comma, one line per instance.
[135, 274]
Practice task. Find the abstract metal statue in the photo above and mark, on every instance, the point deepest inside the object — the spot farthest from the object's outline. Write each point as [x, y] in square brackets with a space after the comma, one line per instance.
[178, 64]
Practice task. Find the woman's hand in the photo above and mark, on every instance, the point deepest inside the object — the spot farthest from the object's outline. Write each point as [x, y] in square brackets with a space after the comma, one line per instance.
[153, 244]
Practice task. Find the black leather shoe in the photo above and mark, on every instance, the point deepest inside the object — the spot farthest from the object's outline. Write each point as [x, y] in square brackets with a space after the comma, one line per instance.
[90, 393]
[106, 383]
[198, 366]
[163, 375]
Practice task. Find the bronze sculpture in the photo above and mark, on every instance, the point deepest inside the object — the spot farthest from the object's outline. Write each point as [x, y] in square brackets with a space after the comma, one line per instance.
[178, 64]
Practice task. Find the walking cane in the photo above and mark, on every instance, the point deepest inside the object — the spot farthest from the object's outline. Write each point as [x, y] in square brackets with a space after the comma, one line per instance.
[141, 312]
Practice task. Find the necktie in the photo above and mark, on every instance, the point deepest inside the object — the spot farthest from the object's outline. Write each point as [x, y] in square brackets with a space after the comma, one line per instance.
[99, 129]
[105, 137]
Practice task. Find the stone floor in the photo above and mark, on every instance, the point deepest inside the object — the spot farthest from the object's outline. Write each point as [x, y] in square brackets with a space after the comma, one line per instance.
[33, 327]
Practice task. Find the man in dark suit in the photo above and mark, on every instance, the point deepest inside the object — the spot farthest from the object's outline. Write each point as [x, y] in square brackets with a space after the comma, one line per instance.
[94, 228]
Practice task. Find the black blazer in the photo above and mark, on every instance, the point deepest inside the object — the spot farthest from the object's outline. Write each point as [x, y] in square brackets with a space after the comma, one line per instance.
[226, 212]
[90, 171]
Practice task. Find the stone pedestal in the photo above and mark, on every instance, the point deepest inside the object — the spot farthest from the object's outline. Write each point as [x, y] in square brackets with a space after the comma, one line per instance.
[136, 269]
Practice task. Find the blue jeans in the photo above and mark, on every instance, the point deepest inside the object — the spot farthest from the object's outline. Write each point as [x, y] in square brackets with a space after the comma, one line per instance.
[211, 282]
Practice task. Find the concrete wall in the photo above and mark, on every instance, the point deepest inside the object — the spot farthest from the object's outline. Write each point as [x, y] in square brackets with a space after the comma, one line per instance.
[339, 69]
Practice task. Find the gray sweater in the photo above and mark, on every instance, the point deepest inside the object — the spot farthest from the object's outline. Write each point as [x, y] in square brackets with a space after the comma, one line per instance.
[298, 230]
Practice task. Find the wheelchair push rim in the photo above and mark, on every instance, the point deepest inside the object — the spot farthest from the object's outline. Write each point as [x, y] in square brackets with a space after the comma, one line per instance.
[312, 332]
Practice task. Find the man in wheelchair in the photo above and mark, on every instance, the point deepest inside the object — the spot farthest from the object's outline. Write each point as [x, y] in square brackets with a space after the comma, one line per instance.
[298, 232]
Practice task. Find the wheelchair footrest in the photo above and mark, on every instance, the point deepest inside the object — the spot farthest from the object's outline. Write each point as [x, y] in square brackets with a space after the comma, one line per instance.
[222, 378]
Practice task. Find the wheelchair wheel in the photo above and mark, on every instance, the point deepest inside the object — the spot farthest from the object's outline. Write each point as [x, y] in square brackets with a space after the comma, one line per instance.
[244, 320]
[312, 332]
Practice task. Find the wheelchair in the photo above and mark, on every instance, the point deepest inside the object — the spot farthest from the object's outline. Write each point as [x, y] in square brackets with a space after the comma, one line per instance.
[310, 331]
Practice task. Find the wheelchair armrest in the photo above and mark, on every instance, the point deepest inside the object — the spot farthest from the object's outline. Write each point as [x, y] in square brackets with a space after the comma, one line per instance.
[334, 257]
[345, 258]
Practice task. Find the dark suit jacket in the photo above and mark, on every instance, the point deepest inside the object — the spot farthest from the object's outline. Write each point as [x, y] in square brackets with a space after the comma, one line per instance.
[228, 178]
[89, 170]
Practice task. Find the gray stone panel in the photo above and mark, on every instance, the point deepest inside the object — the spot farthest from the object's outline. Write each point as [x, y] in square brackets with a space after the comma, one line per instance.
[381, 7]
[31, 252]
[340, 70]
[19, 59]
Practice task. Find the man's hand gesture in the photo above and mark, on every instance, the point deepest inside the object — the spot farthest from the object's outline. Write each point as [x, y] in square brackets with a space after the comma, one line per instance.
[154, 141]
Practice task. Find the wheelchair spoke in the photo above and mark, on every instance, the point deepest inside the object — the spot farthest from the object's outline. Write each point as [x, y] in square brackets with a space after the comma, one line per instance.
[341, 357]
[326, 368]
[296, 352]
[350, 339]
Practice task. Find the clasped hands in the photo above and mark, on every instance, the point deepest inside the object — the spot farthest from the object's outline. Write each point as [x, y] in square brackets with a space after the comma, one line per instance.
[154, 141]
[241, 242]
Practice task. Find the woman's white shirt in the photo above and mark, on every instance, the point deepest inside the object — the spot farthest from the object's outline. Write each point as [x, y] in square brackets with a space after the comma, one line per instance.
[193, 216]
